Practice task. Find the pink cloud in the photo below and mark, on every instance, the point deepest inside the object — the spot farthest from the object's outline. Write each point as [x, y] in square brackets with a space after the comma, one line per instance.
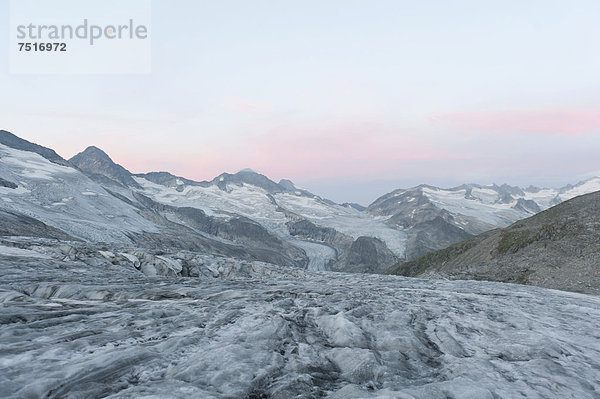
[569, 122]
[333, 151]
[299, 153]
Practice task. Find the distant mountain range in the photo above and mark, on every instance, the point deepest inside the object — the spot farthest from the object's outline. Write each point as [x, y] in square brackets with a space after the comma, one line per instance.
[557, 248]
[436, 218]
[246, 215]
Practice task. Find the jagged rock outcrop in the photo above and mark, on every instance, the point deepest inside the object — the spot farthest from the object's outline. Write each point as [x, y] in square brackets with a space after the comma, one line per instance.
[527, 206]
[310, 231]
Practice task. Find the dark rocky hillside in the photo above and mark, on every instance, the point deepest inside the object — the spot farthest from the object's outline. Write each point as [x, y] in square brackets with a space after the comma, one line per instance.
[558, 248]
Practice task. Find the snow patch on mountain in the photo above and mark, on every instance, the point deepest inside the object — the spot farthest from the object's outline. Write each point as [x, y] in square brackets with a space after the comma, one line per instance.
[484, 207]
[498, 205]
[259, 205]
[30, 165]
[346, 220]
[581, 188]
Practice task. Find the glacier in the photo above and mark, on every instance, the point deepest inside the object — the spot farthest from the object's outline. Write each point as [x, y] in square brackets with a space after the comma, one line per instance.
[74, 329]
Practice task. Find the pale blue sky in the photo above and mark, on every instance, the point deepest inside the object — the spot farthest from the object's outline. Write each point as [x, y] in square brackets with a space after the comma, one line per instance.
[347, 98]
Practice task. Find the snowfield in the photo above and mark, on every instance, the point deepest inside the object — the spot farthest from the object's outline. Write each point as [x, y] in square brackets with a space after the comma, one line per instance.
[71, 330]
[65, 198]
[486, 206]
[257, 204]
[346, 220]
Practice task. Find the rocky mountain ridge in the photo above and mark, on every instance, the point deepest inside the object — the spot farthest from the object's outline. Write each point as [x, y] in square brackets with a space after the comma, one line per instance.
[436, 217]
[557, 248]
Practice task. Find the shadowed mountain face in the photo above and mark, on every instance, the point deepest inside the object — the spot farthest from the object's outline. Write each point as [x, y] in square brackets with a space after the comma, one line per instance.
[365, 255]
[557, 248]
[10, 140]
[17, 224]
[98, 165]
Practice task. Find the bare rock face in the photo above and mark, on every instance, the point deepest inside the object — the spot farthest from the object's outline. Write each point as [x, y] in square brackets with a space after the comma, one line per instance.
[527, 206]
[311, 231]
[10, 140]
[558, 248]
[430, 227]
[16, 224]
[366, 255]
[431, 234]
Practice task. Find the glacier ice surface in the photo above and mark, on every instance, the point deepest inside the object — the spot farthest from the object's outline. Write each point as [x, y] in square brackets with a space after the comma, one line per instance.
[72, 330]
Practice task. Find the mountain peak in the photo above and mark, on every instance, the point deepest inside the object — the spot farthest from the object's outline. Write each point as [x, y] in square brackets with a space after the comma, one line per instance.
[247, 176]
[248, 170]
[99, 166]
[94, 149]
[94, 152]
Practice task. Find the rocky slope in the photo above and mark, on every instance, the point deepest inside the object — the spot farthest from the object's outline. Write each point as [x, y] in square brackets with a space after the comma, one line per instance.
[365, 255]
[10, 140]
[557, 248]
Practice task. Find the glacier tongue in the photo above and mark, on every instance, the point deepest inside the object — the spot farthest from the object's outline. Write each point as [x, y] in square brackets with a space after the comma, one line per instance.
[73, 330]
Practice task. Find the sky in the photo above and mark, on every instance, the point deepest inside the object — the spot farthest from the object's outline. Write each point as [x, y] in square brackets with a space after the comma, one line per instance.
[349, 99]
